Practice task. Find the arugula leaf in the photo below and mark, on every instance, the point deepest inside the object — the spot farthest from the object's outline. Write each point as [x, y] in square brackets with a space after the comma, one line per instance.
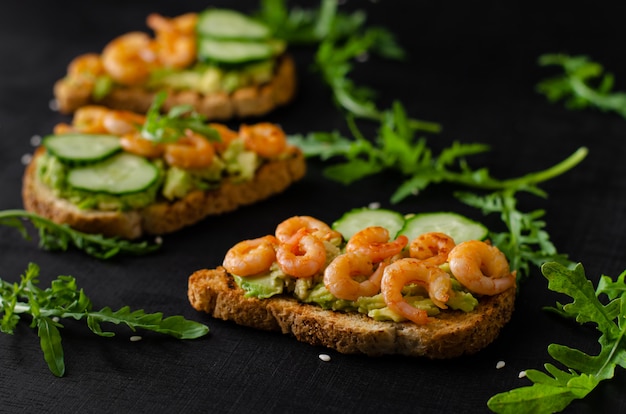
[170, 127]
[300, 26]
[63, 299]
[396, 148]
[526, 241]
[554, 391]
[582, 84]
[53, 236]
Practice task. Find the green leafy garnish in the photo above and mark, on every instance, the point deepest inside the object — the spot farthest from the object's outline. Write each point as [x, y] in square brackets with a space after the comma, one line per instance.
[526, 242]
[169, 127]
[63, 299]
[554, 391]
[309, 26]
[59, 237]
[340, 38]
[583, 83]
[395, 148]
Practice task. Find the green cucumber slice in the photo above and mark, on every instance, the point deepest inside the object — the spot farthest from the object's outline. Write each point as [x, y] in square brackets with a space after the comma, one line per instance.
[360, 218]
[123, 173]
[230, 24]
[82, 147]
[459, 227]
[234, 51]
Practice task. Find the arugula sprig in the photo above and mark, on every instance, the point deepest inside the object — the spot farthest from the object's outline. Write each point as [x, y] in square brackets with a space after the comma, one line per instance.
[63, 299]
[583, 83]
[169, 127]
[300, 26]
[554, 391]
[341, 39]
[526, 241]
[59, 237]
[396, 148]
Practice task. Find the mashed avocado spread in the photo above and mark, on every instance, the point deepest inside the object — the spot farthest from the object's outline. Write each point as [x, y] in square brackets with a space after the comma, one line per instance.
[313, 291]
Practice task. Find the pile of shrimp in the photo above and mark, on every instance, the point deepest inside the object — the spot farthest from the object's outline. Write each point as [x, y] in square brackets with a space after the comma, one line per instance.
[372, 263]
[191, 151]
[129, 58]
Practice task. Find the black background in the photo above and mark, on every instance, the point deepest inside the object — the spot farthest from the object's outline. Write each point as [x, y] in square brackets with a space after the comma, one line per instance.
[471, 67]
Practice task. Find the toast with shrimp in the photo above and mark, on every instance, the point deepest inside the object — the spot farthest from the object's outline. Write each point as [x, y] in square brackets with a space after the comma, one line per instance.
[368, 295]
[221, 62]
[100, 175]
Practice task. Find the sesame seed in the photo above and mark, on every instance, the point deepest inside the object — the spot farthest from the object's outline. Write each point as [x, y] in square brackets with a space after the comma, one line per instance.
[135, 338]
[158, 240]
[500, 364]
[55, 319]
[35, 140]
[522, 374]
[324, 357]
[26, 159]
[374, 205]
[53, 105]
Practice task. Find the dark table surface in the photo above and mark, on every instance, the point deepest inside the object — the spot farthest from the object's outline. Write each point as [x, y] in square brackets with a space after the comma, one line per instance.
[472, 67]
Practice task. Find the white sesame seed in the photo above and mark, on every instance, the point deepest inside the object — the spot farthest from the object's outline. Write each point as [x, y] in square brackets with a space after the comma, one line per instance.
[324, 357]
[35, 140]
[374, 205]
[53, 105]
[135, 338]
[158, 240]
[363, 57]
[522, 374]
[500, 364]
[26, 159]
[55, 319]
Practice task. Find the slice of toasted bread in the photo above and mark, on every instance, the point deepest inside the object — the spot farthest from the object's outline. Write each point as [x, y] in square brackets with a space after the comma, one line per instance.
[162, 217]
[450, 334]
[244, 102]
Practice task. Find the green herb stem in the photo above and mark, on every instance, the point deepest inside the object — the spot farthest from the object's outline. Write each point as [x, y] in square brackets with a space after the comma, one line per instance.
[62, 300]
[54, 236]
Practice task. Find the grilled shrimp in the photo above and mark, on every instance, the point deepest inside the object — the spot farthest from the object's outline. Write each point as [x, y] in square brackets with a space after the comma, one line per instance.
[128, 58]
[410, 270]
[374, 243]
[340, 273]
[303, 255]
[251, 257]
[190, 151]
[481, 267]
[175, 39]
[432, 248]
[288, 228]
[265, 138]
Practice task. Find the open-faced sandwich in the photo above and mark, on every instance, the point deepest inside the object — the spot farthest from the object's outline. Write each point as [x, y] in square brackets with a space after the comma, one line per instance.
[223, 63]
[373, 283]
[124, 174]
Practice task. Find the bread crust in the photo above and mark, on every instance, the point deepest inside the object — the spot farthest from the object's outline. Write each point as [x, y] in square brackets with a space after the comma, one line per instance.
[449, 335]
[162, 217]
[250, 101]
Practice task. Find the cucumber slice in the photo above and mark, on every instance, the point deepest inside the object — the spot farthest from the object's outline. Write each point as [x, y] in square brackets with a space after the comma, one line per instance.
[82, 147]
[360, 218]
[459, 227]
[234, 51]
[121, 174]
[230, 24]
